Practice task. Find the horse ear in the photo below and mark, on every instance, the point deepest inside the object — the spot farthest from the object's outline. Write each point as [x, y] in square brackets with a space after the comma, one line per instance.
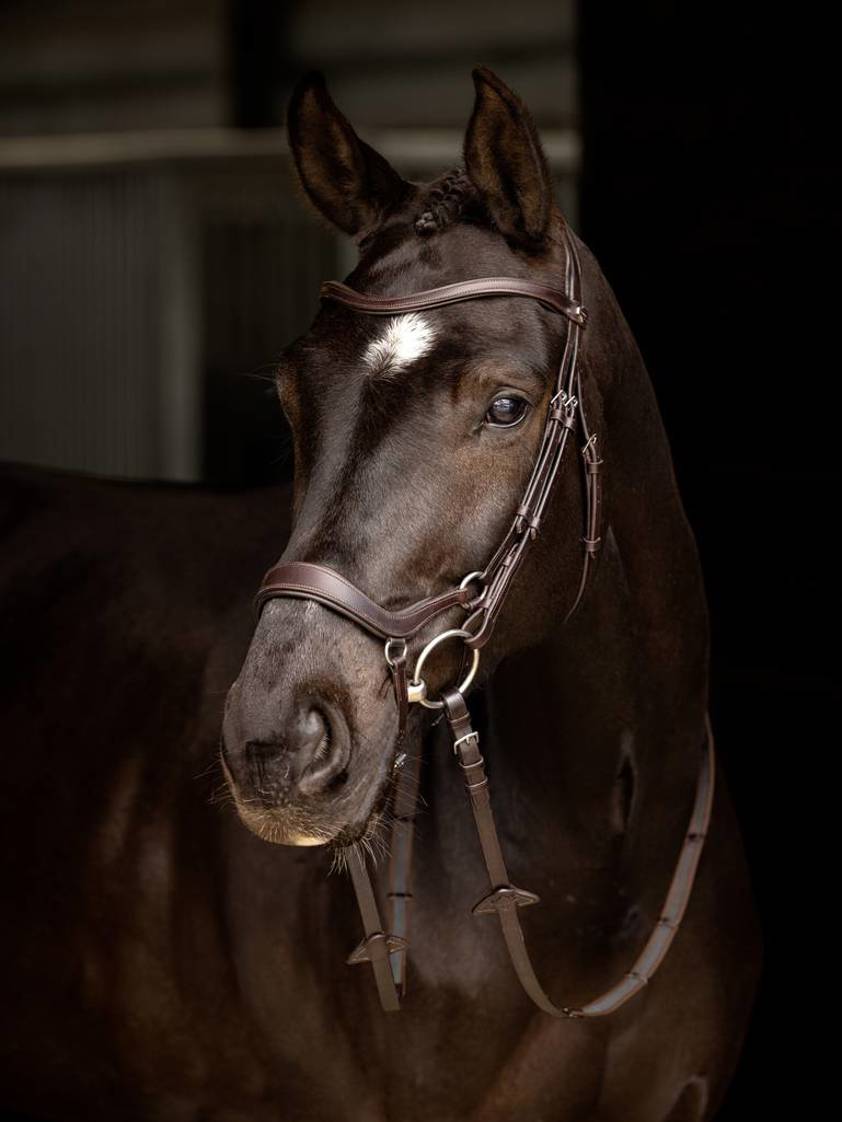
[352, 185]
[506, 163]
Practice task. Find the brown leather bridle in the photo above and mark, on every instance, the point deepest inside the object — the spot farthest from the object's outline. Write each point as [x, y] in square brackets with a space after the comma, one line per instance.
[481, 595]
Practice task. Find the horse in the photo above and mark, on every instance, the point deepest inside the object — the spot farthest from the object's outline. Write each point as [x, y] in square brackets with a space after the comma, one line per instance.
[183, 786]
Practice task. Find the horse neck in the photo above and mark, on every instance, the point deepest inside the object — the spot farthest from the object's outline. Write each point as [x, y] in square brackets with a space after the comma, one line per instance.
[593, 738]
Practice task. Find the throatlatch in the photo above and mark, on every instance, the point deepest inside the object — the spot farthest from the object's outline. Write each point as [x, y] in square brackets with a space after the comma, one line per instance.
[481, 595]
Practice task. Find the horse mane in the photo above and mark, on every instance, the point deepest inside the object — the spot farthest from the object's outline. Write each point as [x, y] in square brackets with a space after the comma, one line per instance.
[450, 198]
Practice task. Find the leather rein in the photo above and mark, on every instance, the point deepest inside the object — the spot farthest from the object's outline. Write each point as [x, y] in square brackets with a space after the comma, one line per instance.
[481, 595]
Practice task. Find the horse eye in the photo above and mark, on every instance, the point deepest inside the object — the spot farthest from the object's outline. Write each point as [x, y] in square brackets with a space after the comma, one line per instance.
[506, 411]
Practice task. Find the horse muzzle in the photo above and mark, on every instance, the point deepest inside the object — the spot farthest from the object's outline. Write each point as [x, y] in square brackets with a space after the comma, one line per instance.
[305, 728]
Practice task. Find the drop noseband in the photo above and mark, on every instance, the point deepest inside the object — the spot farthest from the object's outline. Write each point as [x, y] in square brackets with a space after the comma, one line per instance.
[481, 595]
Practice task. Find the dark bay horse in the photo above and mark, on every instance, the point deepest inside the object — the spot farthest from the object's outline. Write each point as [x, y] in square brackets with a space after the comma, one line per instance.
[161, 961]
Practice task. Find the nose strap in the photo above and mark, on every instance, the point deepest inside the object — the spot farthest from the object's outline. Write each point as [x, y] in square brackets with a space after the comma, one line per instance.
[317, 582]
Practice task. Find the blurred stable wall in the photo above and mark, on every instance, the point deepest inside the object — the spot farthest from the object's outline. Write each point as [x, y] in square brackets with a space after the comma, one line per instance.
[155, 255]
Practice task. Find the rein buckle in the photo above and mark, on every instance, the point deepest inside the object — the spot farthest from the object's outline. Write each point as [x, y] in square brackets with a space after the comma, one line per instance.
[472, 735]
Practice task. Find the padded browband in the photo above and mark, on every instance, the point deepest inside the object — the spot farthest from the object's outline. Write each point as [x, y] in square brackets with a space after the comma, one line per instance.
[552, 298]
[318, 582]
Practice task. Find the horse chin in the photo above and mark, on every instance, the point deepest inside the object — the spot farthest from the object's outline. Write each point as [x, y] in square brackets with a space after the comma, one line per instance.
[283, 827]
[299, 826]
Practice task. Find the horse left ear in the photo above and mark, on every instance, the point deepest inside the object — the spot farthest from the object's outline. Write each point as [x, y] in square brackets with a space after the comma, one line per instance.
[506, 163]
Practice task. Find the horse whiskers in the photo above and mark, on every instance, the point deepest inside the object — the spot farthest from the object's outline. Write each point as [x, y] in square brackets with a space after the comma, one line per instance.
[374, 844]
[263, 822]
[209, 769]
[376, 841]
[342, 854]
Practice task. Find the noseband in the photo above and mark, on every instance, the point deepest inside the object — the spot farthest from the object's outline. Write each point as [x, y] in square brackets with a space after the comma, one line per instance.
[481, 596]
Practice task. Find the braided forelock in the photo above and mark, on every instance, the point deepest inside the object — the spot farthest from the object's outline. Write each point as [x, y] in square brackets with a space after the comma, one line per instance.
[448, 198]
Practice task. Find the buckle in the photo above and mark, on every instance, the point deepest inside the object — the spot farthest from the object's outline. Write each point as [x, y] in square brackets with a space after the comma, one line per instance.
[472, 735]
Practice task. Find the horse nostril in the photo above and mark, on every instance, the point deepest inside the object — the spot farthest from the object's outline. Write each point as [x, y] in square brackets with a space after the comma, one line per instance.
[320, 758]
[304, 755]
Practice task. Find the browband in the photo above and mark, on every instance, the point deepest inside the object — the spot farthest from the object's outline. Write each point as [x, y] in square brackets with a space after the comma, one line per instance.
[552, 298]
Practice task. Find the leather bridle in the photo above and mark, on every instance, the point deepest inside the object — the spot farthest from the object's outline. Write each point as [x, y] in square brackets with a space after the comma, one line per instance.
[481, 596]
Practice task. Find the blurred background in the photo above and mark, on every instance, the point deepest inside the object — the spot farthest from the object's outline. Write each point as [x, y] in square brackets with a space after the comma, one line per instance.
[156, 255]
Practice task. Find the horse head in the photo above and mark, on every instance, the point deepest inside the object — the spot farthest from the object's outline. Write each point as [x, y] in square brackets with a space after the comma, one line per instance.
[414, 437]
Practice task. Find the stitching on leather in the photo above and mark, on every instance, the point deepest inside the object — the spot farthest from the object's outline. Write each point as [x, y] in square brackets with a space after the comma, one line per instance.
[456, 293]
[411, 622]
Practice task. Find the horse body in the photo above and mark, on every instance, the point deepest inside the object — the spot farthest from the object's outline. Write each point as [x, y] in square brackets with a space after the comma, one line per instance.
[162, 962]
[166, 963]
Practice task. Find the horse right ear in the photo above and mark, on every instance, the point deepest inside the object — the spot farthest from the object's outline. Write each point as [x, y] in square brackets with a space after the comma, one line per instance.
[353, 186]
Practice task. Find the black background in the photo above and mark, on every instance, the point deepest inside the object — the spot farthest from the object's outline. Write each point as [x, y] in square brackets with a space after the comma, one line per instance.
[706, 200]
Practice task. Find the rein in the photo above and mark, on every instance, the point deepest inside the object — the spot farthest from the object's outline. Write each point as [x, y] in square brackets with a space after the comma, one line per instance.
[481, 596]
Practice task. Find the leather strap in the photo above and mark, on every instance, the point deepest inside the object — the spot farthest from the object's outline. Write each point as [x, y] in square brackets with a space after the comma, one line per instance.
[566, 407]
[592, 540]
[387, 951]
[377, 944]
[404, 808]
[397, 664]
[318, 582]
[552, 298]
[505, 899]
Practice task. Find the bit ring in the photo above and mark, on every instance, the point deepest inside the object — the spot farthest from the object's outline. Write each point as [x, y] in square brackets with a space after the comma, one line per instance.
[419, 683]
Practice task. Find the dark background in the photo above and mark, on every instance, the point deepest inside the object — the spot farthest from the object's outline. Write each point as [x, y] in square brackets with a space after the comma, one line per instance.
[683, 157]
[707, 204]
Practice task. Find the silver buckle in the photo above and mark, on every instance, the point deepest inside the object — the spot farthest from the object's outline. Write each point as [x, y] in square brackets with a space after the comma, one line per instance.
[472, 735]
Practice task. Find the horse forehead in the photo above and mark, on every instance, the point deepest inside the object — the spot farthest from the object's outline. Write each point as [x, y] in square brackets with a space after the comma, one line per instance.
[438, 346]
